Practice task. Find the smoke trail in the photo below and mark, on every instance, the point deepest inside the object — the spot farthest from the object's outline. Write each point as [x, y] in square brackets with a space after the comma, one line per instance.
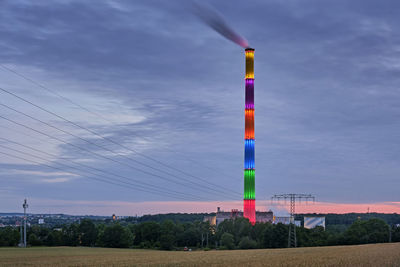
[213, 19]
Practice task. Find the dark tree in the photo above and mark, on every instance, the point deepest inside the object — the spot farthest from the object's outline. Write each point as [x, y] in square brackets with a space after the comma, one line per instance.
[117, 236]
[167, 235]
[279, 237]
[54, 238]
[167, 241]
[33, 240]
[371, 231]
[268, 235]
[239, 228]
[257, 233]
[9, 237]
[71, 236]
[146, 234]
[190, 237]
[88, 233]
[247, 243]
[396, 234]
[227, 240]
[311, 237]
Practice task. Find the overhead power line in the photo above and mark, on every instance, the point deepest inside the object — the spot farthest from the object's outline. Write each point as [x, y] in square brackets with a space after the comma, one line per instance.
[100, 116]
[141, 183]
[66, 99]
[217, 188]
[136, 182]
[107, 180]
[188, 182]
[83, 149]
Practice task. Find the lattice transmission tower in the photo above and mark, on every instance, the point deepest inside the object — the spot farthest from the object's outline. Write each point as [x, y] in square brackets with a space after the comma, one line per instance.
[292, 240]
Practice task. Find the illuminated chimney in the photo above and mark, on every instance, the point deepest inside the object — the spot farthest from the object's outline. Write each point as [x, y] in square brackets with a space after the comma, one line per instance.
[249, 201]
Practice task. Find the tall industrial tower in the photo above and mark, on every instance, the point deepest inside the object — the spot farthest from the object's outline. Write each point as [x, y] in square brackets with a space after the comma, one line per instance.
[249, 202]
[25, 206]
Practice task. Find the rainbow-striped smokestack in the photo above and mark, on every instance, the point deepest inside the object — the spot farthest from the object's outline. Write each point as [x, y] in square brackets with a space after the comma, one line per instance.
[249, 201]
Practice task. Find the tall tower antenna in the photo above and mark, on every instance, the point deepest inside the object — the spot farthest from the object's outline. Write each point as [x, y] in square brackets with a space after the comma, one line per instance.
[292, 240]
[25, 206]
[249, 201]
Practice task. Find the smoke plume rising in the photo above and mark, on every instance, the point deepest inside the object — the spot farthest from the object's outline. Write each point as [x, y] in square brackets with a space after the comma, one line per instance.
[213, 19]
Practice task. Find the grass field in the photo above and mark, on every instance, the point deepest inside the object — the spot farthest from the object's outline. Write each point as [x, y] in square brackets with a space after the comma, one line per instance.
[364, 255]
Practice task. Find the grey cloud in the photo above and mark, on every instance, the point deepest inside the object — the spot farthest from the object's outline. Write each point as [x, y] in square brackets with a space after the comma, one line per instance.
[326, 85]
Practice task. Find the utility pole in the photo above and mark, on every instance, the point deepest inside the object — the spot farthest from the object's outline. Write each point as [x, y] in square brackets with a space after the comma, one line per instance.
[292, 240]
[25, 206]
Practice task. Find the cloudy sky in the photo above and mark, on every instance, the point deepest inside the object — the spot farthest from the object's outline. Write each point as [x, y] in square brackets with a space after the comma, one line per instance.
[137, 107]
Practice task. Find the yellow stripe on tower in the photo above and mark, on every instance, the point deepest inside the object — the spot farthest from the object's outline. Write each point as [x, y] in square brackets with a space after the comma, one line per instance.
[249, 64]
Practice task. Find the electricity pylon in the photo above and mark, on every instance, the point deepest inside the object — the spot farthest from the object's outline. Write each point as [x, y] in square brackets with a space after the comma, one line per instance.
[292, 241]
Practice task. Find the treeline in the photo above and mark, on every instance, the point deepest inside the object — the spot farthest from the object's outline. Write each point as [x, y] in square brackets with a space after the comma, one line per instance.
[168, 235]
[175, 217]
[331, 218]
[239, 234]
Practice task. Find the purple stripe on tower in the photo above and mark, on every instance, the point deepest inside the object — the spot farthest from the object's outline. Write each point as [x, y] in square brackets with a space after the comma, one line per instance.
[249, 94]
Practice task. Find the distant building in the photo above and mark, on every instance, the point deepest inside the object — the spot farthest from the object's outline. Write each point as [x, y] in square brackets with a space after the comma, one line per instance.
[312, 222]
[261, 216]
[41, 221]
[210, 219]
[285, 220]
[264, 216]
